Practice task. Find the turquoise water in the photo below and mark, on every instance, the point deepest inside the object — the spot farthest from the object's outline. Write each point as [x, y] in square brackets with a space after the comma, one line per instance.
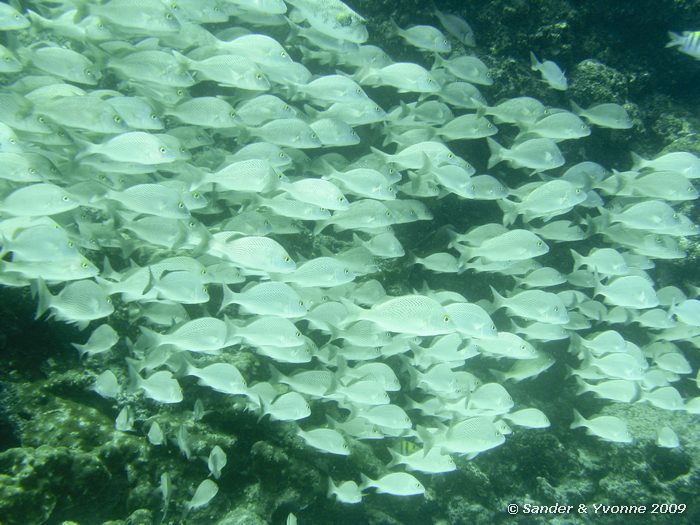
[91, 435]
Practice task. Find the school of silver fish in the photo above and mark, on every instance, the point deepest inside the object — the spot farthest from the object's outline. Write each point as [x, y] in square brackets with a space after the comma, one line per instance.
[170, 161]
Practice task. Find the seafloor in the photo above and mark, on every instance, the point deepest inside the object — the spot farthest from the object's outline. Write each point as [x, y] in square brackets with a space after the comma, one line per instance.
[61, 461]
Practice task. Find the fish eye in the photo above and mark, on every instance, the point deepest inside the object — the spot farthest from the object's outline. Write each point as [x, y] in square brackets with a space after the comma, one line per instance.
[446, 318]
[12, 140]
[556, 308]
[65, 198]
[493, 327]
[258, 76]
[109, 300]
[179, 92]
[181, 205]
[33, 171]
[539, 243]
[346, 271]
[168, 16]
[196, 194]
[388, 213]
[283, 54]
[314, 136]
[282, 155]
[297, 333]
[162, 149]
[286, 258]
[88, 73]
[450, 155]
[117, 119]
[154, 116]
[84, 264]
[42, 120]
[301, 303]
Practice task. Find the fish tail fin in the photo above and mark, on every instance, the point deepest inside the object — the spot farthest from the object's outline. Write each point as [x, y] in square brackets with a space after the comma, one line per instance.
[534, 63]
[579, 420]
[244, 135]
[498, 299]
[354, 311]
[599, 224]
[510, 211]
[498, 374]
[185, 61]
[465, 252]
[180, 364]
[3, 249]
[496, 152]
[151, 338]
[395, 458]
[637, 161]
[380, 153]
[413, 377]
[86, 148]
[227, 298]
[439, 61]
[42, 291]
[598, 289]
[395, 29]
[583, 387]
[82, 350]
[578, 259]
[331, 488]
[427, 438]
[275, 375]
[365, 482]
[676, 39]
[264, 407]
[452, 236]
[576, 108]
[134, 378]
[320, 226]
[480, 107]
